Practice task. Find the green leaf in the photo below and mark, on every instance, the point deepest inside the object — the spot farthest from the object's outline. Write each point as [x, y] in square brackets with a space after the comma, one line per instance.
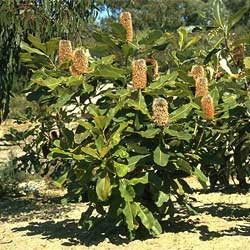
[36, 42]
[247, 61]
[100, 121]
[181, 112]
[234, 19]
[201, 177]
[215, 95]
[184, 165]
[162, 198]
[192, 41]
[140, 105]
[148, 220]
[160, 158]
[130, 212]
[26, 47]
[142, 180]
[118, 31]
[182, 32]
[152, 37]
[103, 188]
[121, 169]
[90, 151]
[61, 180]
[133, 160]
[127, 191]
[181, 135]
[108, 71]
[115, 138]
[149, 133]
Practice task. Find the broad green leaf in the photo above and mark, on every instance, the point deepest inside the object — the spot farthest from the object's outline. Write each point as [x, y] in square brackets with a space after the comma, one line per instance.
[130, 212]
[26, 47]
[36, 42]
[184, 165]
[140, 104]
[100, 121]
[179, 134]
[148, 220]
[182, 32]
[162, 198]
[142, 180]
[79, 138]
[234, 19]
[179, 190]
[192, 41]
[115, 138]
[85, 124]
[133, 160]
[181, 112]
[90, 151]
[118, 31]
[149, 133]
[201, 177]
[121, 169]
[152, 37]
[61, 180]
[247, 62]
[127, 191]
[108, 71]
[103, 188]
[160, 158]
[215, 95]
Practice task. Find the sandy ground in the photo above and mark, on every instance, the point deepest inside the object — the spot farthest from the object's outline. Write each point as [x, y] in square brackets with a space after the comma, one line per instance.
[223, 223]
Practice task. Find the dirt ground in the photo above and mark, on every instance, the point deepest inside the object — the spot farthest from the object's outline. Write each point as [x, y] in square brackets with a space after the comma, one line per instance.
[222, 223]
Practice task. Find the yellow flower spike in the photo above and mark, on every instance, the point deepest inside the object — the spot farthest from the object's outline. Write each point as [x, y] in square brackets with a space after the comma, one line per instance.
[126, 22]
[201, 86]
[160, 112]
[65, 51]
[139, 74]
[207, 106]
[197, 71]
[80, 62]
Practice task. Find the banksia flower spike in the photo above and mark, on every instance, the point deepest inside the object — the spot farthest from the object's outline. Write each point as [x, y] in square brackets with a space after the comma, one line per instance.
[201, 86]
[126, 22]
[80, 62]
[65, 51]
[160, 112]
[139, 74]
[154, 63]
[207, 106]
[197, 71]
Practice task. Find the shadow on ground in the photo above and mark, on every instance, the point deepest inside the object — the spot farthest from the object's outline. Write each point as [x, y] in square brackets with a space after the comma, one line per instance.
[24, 209]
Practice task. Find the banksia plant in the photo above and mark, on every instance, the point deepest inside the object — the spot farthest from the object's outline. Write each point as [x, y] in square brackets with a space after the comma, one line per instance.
[239, 55]
[160, 112]
[207, 106]
[201, 86]
[139, 74]
[126, 22]
[80, 62]
[197, 71]
[154, 63]
[65, 51]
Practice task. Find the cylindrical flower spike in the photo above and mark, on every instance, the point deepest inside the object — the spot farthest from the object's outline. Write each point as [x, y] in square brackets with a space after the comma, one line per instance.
[154, 63]
[207, 106]
[201, 86]
[160, 112]
[197, 71]
[80, 62]
[139, 74]
[65, 51]
[126, 22]
[239, 55]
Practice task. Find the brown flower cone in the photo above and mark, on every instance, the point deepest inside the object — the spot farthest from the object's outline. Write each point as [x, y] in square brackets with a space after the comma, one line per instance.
[154, 62]
[65, 51]
[201, 86]
[80, 62]
[160, 112]
[139, 74]
[197, 71]
[126, 22]
[239, 55]
[207, 106]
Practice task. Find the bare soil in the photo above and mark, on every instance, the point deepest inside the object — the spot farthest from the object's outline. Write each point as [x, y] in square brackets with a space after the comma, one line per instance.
[222, 223]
